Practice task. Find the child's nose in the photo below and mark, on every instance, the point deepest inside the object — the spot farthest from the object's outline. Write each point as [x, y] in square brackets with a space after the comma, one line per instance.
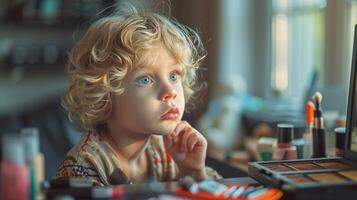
[168, 93]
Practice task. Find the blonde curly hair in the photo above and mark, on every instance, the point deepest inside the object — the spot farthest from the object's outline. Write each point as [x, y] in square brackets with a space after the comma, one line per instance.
[110, 49]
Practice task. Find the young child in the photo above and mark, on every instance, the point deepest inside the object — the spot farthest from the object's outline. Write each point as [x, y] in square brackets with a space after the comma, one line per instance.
[131, 77]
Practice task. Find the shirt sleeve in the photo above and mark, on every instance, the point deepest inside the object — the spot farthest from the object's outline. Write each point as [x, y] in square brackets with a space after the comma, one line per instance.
[71, 168]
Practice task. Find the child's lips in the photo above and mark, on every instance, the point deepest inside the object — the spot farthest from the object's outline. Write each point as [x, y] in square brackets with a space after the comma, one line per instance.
[171, 114]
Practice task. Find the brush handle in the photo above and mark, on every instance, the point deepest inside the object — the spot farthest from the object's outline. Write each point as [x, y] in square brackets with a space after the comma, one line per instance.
[318, 121]
[318, 141]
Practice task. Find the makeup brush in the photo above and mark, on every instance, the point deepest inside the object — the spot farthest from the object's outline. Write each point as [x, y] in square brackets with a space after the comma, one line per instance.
[318, 131]
[318, 120]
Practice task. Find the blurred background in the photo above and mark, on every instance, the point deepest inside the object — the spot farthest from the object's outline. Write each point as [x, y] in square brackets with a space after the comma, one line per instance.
[265, 59]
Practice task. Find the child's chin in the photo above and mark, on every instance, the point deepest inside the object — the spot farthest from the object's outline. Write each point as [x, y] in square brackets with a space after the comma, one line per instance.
[165, 130]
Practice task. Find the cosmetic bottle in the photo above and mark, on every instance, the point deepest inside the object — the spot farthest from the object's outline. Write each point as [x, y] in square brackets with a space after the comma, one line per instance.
[284, 149]
[265, 147]
[340, 141]
[34, 160]
[319, 143]
[14, 172]
[299, 142]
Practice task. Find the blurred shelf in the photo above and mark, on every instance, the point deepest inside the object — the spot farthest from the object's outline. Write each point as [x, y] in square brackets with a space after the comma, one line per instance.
[30, 92]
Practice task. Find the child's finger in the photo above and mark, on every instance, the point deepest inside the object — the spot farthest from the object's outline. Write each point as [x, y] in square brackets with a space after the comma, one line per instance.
[184, 135]
[168, 141]
[191, 141]
[180, 127]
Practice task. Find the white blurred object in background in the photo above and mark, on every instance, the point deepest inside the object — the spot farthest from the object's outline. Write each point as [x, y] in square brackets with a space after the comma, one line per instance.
[221, 123]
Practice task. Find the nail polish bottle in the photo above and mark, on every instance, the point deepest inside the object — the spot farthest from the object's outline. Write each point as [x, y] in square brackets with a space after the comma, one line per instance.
[285, 149]
[34, 160]
[14, 172]
[299, 142]
[340, 141]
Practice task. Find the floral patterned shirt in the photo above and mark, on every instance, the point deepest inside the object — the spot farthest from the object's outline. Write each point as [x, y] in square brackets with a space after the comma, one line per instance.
[94, 158]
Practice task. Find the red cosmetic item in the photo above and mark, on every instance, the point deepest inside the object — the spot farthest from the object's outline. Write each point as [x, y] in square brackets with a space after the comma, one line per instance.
[14, 172]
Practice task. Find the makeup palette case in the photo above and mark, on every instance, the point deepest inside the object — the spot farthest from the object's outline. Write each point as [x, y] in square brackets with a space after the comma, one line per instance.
[318, 178]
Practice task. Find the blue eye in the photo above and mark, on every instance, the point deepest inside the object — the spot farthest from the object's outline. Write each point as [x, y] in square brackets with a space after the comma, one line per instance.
[174, 76]
[145, 80]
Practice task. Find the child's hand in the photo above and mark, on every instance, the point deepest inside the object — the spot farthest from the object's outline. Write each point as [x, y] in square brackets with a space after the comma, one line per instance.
[187, 147]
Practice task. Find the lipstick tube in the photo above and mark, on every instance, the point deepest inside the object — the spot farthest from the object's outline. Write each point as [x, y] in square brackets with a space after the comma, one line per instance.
[318, 141]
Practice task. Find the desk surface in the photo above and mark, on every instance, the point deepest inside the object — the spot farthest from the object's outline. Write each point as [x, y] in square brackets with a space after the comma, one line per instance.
[145, 190]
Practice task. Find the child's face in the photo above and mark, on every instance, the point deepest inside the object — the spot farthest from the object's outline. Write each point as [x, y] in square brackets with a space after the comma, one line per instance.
[153, 101]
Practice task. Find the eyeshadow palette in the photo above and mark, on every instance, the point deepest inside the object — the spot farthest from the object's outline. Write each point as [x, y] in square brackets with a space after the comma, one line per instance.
[300, 172]
[322, 178]
[318, 178]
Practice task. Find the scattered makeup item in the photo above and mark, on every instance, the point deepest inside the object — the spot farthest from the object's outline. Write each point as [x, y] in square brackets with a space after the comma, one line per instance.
[14, 172]
[307, 152]
[67, 182]
[63, 197]
[340, 133]
[284, 149]
[188, 184]
[230, 191]
[103, 192]
[265, 147]
[88, 192]
[318, 131]
[238, 192]
[299, 142]
[34, 160]
[212, 187]
[256, 192]
[214, 190]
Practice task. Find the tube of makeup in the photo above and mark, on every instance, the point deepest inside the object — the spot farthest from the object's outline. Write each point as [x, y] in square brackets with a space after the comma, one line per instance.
[34, 160]
[307, 152]
[14, 172]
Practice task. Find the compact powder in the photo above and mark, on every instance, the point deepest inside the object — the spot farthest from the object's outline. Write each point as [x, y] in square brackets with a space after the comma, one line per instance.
[300, 179]
[352, 175]
[327, 178]
[305, 166]
[334, 165]
[278, 167]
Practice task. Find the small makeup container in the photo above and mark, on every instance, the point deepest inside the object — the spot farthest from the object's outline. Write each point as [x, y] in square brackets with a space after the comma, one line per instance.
[318, 143]
[340, 133]
[34, 160]
[14, 172]
[299, 142]
[284, 149]
[265, 147]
